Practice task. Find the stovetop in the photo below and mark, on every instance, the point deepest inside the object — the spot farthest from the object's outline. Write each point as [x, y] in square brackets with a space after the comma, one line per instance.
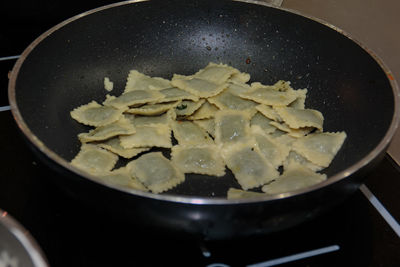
[362, 231]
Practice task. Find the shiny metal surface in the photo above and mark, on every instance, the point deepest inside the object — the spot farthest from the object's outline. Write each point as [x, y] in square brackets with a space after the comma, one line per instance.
[17, 247]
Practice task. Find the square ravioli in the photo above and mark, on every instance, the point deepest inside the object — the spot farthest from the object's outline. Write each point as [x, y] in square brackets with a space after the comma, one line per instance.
[292, 131]
[206, 111]
[320, 148]
[231, 126]
[148, 136]
[131, 98]
[114, 145]
[153, 109]
[94, 114]
[216, 73]
[156, 172]
[201, 159]
[175, 94]
[300, 118]
[188, 107]
[140, 81]
[94, 159]
[189, 133]
[227, 100]
[165, 119]
[275, 152]
[122, 177]
[249, 166]
[208, 125]
[295, 178]
[259, 120]
[199, 87]
[120, 127]
[268, 95]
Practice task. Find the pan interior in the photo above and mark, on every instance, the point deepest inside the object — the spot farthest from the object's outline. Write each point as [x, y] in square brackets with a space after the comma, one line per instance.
[67, 68]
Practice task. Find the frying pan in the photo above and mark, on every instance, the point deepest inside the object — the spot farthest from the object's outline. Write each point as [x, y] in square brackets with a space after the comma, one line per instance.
[65, 67]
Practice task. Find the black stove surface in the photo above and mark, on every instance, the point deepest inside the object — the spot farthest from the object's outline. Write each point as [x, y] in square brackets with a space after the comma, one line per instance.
[73, 234]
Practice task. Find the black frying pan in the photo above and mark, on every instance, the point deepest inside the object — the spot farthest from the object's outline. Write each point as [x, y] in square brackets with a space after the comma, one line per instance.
[65, 67]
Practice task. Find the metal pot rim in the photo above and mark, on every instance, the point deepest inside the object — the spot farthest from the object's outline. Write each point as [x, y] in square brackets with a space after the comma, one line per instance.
[24, 238]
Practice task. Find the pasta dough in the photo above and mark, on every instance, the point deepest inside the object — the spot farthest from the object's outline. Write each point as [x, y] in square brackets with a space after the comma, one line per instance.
[250, 167]
[297, 177]
[231, 126]
[148, 136]
[120, 127]
[320, 148]
[156, 172]
[94, 159]
[188, 133]
[139, 81]
[94, 114]
[264, 134]
[202, 159]
[122, 177]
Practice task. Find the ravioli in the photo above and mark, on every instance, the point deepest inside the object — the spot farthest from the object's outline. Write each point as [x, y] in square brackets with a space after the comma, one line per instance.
[216, 73]
[165, 119]
[140, 81]
[201, 159]
[249, 166]
[208, 125]
[218, 120]
[231, 126]
[295, 158]
[94, 114]
[120, 127]
[291, 131]
[148, 136]
[269, 112]
[274, 152]
[206, 111]
[263, 122]
[122, 177]
[153, 109]
[299, 118]
[133, 98]
[199, 87]
[238, 88]
[240, 78]
[156, 172]
[188, 133]
[300, 101]
[320, 148]
[188, 107]
[175, 94]
[114, 145]
[295, 178]
[267, 95]
[94, 159]
[227, 100]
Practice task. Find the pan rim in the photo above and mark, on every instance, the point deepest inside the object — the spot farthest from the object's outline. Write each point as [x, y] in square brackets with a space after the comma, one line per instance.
[382, 145]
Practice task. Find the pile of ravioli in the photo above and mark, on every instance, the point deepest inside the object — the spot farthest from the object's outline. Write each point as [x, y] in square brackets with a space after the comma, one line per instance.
[263, 133]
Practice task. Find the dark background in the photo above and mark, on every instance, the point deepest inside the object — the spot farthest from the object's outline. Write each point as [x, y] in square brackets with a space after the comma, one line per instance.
[23, 21]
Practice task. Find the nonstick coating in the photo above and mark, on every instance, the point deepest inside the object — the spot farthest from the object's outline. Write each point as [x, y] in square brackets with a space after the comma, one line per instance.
[159, 38]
